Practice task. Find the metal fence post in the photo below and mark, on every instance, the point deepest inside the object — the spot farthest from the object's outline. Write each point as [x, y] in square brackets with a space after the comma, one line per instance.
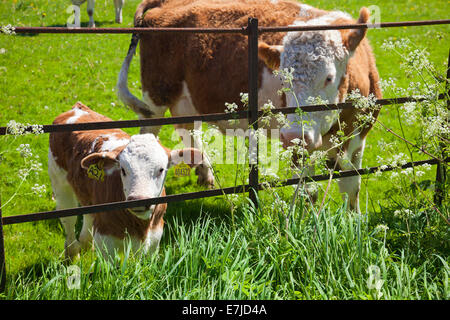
[2, 254]
[441, 170]
[252, 28]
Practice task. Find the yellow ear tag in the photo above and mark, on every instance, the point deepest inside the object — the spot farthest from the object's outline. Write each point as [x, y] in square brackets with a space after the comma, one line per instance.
[96, 171]
[182, 170]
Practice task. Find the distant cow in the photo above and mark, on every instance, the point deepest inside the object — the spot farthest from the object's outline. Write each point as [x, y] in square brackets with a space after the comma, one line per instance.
[102, 166]
[196, 73]
[118, 4]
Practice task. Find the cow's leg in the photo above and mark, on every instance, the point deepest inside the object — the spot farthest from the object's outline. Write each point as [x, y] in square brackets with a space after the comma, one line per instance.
[108, 246]
[153, 239]
[204, 169]
[90, 11]
[185, 107]
[155, 111]
[65, 198]
[118, 4]
[86, 232]
[351, 160]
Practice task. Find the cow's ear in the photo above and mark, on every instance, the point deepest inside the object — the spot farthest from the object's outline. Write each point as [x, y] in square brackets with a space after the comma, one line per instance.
[270, 55]
[106, 160]
[352, 38]
[190, 156]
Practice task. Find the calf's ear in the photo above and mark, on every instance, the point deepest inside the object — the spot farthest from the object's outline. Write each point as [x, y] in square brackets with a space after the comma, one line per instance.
[106, 160]
[270, 55]
[190, 156]
[351, 38]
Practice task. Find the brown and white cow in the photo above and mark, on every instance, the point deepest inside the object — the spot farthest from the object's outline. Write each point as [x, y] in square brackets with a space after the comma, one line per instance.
[118, 4]
[102, 166]
[196, 73]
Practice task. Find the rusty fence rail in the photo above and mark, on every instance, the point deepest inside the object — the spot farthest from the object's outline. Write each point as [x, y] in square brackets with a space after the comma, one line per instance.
[252, 31]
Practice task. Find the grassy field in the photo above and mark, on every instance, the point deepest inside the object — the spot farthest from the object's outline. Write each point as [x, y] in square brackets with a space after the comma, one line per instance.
[207, 252]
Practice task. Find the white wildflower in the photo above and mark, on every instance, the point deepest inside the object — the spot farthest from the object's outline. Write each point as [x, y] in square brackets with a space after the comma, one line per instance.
[24, 150]
[39, 189]
[230, 107]
[381, 227]
[403, 213]
[410, 112]
[426, 166]
[8, 29]
[318, 156]
[378, 173]
[282, 120]
[407, 171]
[296, 141]
[15, 128]
[244, 98]
[316, 101]
[23, 173]
[419, 173]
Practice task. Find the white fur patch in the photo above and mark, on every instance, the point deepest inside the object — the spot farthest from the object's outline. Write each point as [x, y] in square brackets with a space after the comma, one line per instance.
[184, 105]
[113, 143]
[77, 113]
[308, 51]
[304, 10]
[153, 239]
[158, 111]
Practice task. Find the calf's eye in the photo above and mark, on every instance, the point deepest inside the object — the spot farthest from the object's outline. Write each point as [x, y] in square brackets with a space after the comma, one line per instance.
[123, 172]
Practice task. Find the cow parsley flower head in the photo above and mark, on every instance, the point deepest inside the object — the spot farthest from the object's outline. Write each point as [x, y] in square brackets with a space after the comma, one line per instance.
[410, 112]
[8, 29]
[39, 189]
[404, 213]
[24, 150]
[381, 228]
[244, 98]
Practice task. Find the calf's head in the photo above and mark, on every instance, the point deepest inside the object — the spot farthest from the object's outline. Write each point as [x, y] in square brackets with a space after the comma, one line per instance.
[143, 164]
[318, 60]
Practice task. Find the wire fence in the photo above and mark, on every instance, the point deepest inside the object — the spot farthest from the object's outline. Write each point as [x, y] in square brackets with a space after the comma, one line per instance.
[252, 31]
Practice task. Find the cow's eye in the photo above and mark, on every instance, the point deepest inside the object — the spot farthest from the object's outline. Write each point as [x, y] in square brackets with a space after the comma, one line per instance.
[123, 172]
[329, 79]
[160, 171]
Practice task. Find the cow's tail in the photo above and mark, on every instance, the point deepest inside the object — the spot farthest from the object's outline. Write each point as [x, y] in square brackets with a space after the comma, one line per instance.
[123, 92]
[142, 8]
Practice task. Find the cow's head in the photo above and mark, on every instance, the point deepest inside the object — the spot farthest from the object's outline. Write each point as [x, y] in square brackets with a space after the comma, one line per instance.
[143, 164]
[319, 62]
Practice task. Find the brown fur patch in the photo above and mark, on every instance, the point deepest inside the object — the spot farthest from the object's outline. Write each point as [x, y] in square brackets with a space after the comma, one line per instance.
[218, 61]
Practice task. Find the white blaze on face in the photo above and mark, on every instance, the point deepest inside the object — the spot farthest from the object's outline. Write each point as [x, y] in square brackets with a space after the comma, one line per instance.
[319, 61]
[143, 165]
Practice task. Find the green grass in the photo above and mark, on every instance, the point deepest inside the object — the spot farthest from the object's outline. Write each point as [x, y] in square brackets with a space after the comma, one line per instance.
[325, 257]
[206, 252]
